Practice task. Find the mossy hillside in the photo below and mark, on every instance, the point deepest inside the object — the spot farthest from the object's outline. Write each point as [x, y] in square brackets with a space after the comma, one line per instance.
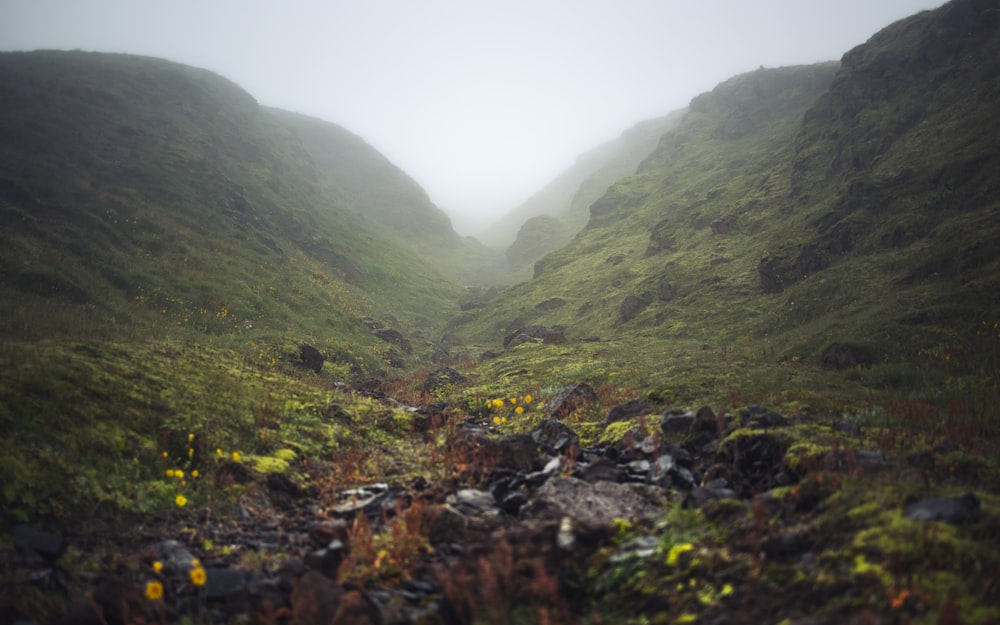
[85, 425]
[810, 245]
[355, 176]
[143, 195]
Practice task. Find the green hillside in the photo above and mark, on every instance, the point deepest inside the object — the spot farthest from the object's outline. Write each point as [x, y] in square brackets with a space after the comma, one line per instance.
[158, 196]
[550, 218]
[792, 209]
[356, 176]
[240, 383]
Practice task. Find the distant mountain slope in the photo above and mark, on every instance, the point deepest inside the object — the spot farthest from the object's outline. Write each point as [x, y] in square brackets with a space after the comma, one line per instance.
[138, 194]
[802, 206]
[362, 180]
[568, 197]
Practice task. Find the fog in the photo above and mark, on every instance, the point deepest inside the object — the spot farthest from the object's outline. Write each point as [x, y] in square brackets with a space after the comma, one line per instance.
[482, 103]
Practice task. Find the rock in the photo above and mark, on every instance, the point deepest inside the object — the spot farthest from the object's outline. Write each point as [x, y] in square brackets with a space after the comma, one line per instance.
[395, 337]
[224, 583]
[758, 460]
[640, 547]
[631, 306]
[442, 377]
[448, 525]
[48, 545]
[677, 422]
[570, 398]
[551, 304]
[770, 420]
[840, 356]
[667, 473]
[602, 470]
[628, 410]
[472, 502]
[772, 278]
[594, 504]
[327, 560]
[705, 420]
[665, 291]
[322, 533]
[524, 334]
[475, 448]
[953, 510]
[311, 358]
[723, 225]
[555, 437]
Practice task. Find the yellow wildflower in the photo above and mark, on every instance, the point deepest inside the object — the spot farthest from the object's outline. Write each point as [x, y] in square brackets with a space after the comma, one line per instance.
[179, 474]
[154, 591]
[675, 552]
[513, 401]
[236, 456]
[198, 576]
[527, 399]
[181, 501]
[158, 566]
[218, 451]
[190, 436]
[165, 454]
[519, 410]
[496, 420]
[170, 472]
[190, 451]
[194, 473]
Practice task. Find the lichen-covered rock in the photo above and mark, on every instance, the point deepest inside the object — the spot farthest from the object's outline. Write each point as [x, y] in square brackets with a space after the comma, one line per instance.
[594, 503]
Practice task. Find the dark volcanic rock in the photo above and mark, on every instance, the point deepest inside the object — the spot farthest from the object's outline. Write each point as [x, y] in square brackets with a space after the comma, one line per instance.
[840, 356]
[555, 437]
[442, 377]
[311, 358]
[631, 306]
[395, 337]
[628, 409]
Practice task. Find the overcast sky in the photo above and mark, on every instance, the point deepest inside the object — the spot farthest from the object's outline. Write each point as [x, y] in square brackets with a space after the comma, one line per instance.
[481, 102]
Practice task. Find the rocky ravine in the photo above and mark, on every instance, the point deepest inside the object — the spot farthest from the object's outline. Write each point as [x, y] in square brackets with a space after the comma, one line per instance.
[743, 516]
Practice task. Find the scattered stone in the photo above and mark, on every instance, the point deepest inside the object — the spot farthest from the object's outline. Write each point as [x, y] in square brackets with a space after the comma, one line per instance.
[677, 422]
[631, 306]
[555, 437]
[48, 545]
[311, 358]
[640, 547]
[395, 337]
[594, 504]
[524, 334]
[442, 377]
[628, 410]
[551, 304]
[570, 398]
[705, 420]
[952, 510]
[224, 583]
[327, 559]
[840, 356]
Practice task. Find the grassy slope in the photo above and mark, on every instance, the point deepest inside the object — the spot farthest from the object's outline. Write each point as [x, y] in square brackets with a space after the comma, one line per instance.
[356, 176]
[166, 247]
[161, 196]
[551, 218]
[873, 203]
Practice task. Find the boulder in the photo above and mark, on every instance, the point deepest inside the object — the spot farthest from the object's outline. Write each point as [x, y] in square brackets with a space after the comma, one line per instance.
[594, 504]
[395, 337]
[442, 377]
[311, 358]
[631, 306]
